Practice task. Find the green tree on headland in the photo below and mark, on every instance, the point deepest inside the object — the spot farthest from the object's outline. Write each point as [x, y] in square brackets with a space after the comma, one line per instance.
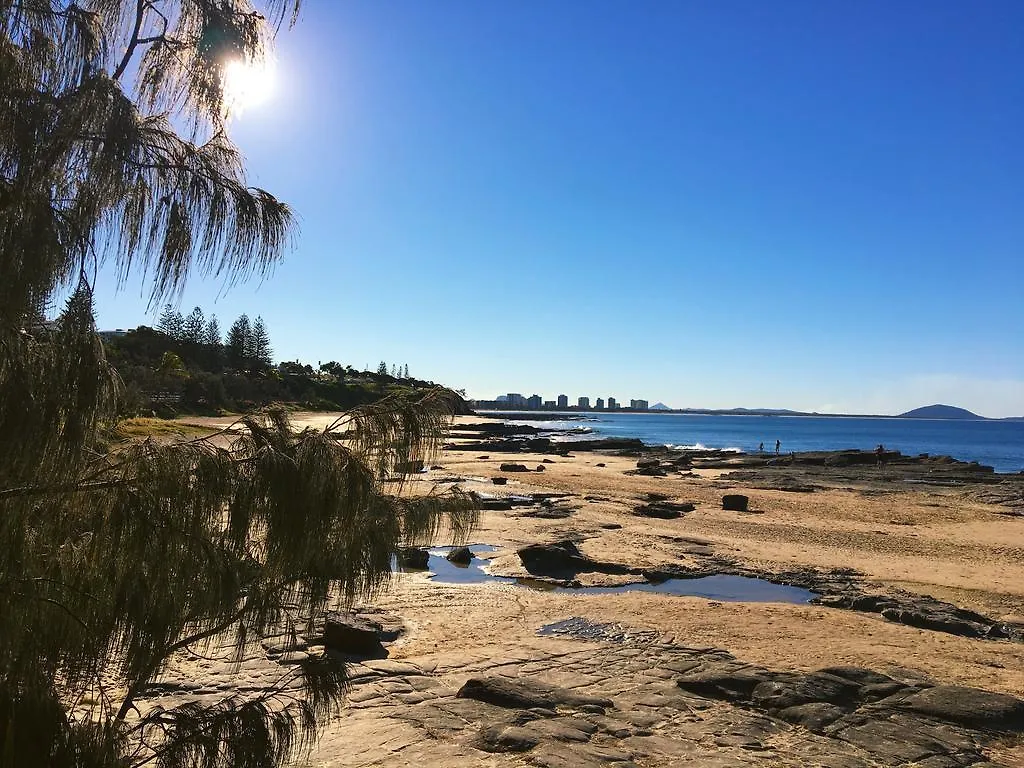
[239, 343]
[110, 562]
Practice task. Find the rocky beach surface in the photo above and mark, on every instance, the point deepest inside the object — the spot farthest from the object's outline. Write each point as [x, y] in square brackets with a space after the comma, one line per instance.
[564, 635]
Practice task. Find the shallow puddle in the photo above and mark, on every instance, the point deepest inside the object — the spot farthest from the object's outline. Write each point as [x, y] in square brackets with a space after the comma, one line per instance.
[722, 587]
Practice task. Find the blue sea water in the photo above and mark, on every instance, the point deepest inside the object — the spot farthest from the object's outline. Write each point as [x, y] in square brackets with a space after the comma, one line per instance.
[998, 444]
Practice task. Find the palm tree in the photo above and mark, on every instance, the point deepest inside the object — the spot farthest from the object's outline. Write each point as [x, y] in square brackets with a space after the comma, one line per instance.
[111, 561]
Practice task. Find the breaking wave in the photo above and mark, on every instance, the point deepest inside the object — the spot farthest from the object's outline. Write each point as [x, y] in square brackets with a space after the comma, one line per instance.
[700, 447]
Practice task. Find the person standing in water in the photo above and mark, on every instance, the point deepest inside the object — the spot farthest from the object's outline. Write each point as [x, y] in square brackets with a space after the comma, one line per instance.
[760, 448]
[778, 445]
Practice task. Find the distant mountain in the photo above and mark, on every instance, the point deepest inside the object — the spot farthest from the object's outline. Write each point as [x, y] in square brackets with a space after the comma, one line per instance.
[660, 407]
[940, 412]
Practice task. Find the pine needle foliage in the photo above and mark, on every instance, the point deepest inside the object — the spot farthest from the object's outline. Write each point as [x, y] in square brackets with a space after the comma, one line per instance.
[112, 561]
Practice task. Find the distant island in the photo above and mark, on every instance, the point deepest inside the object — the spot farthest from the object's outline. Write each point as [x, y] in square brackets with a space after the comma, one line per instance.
[940, 412]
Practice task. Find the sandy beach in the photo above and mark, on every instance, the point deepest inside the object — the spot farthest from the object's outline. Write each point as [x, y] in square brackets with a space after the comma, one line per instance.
[886, 538]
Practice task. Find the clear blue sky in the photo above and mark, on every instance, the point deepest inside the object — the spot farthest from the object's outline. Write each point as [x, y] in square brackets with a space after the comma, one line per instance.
[786, 204]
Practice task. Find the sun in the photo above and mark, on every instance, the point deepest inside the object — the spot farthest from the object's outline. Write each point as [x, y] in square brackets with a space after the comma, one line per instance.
[247, 84]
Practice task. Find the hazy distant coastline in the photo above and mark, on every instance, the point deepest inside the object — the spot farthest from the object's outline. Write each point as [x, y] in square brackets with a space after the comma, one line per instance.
[941, 412]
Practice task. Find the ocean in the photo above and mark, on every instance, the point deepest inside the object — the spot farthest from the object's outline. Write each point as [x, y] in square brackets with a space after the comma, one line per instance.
[998, 444]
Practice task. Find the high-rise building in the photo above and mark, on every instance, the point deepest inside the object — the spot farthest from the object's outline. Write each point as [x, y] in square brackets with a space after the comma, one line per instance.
[612, 403]
[583, 402]
[638, 405]
[563, 401]
[549, 404]
[534, 401]
[599, 405]
[515, 400]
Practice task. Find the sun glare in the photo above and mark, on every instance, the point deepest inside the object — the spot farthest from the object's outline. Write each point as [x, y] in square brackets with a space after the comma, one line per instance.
[247, 84]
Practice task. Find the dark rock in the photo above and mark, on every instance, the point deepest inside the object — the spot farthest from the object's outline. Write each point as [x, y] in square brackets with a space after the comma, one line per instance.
[872, 603]
[611, 526]
[353, 635]
[460, 555]
[483, 457]
[938, 621]
[879, 691]
[600, 464]
[648, 463]
[563, 560]
[918, 611]
[608, 444]
[515, 694]
[499, 480]
[656, 471]
[735, 502]
[858, 675]
[999, 632]
[497, 429]
[549, 511]
[513, 468]
[728, 683]
[791, 691]
[409, 467]
[675, 571]
[413, 557]
[664, 510]
[539, 444]
[971, 707]
[540, 467]
[547, 461]
[813, 716]
[496, 504]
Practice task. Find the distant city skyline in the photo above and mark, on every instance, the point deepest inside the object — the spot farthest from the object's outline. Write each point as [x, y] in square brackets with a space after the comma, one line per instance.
[519, 401]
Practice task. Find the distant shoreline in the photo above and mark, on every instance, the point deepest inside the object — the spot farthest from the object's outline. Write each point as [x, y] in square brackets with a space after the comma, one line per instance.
[541, 415]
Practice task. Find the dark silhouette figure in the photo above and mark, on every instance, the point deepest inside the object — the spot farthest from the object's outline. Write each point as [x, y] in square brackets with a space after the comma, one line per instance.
[778, 445]
[880, 455]
[760, 448]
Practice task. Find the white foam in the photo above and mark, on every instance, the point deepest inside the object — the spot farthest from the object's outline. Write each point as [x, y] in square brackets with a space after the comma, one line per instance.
[701, 447]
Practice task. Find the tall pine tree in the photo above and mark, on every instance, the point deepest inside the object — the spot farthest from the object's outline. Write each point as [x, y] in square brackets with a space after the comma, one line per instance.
[195, 327]
[212, 334]
[262, 353]
[171, 323]
[239, 344]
